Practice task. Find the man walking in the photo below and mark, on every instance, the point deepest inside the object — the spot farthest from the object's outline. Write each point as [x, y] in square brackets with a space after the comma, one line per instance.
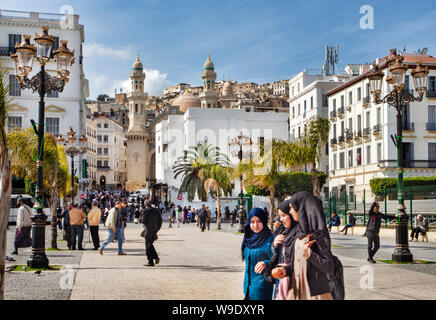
[208, 218]
[115, 226]
[202, 216]
[77, 219]
[24, 226]
[94, 217]
[66, 233]
[152, 221]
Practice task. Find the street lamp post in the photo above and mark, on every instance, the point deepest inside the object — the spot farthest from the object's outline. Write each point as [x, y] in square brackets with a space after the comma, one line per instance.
[73, 150]
[42, 83]
[399, 98]
[239, 146]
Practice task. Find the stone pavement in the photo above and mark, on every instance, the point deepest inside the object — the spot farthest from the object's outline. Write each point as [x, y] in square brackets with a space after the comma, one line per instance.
[196, 265]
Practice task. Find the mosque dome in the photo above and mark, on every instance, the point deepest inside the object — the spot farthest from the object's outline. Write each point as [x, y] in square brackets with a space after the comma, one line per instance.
[187, 100]
[137, 65]
[209, 64]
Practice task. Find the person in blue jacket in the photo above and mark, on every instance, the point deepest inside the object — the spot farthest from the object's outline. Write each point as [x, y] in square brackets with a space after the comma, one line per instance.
[257, 253]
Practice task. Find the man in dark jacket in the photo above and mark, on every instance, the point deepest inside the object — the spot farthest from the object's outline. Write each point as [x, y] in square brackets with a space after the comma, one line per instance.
[373, 229]
[67, 226]
[152, 221]
[335, 222]
[202, 215]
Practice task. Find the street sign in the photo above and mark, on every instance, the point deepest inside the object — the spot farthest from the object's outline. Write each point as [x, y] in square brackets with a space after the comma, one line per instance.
[82, 196]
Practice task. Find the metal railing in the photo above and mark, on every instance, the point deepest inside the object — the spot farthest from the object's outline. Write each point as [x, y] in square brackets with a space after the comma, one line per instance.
[103, 168]
[341, 111]
[341, 139]
[332, 114]
[431, 94]
[430, 126]
[409, 126]
[408, 163]
[376, 128]
[366, 131]
[333, 141]
[358, 134]
[366, 99]
[6, 51]
[349, 136]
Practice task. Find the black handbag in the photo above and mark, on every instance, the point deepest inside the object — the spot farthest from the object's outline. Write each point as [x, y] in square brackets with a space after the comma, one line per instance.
[143, 232]
[336, 280]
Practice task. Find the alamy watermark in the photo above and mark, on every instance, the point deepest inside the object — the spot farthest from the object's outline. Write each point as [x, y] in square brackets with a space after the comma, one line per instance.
[66, 282]
[367, 20]
[367, 280]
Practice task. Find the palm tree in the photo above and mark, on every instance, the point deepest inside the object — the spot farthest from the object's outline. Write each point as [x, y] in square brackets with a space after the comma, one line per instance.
[22, 144]
[5, 173]
[218, 181]
[314, 140]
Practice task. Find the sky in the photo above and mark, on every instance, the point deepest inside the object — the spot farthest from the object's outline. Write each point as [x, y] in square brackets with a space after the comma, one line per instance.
[248, 40]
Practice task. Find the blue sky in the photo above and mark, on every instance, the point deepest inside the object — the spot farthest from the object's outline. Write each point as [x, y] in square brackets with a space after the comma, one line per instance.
[249, 40]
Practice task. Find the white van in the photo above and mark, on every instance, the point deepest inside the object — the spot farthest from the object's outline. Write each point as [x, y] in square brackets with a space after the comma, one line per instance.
[29, 201]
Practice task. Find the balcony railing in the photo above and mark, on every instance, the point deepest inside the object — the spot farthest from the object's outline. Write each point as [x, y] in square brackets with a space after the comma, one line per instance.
[409, 126]
[332, 114]
[349, 136]
[341, 111]
[341, 139]
[366, 99]
[408, 163]
[366, 131]
[358, 134]
[376, 128]
[103, 168]
[430, 126]
[5, 51]
[431, 94]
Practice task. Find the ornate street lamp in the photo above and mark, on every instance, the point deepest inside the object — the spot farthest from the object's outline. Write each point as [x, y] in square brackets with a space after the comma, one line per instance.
[72, 149]
[240, 146]
[399, 98]
[42, 83]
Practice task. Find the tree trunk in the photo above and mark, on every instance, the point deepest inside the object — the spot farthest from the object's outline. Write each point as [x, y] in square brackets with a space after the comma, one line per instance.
[53, 209]
[5, 202]
[218, 213]
[315, 181]
[271, 206]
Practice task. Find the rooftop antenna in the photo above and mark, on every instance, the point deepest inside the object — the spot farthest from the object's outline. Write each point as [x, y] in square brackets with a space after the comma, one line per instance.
[331, 59]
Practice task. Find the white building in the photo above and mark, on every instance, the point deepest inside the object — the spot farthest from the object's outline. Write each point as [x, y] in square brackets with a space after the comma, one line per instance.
[111, 153]
[308, 101]
[176, 132]
[63, 109]
[280, 88]
[360, 137]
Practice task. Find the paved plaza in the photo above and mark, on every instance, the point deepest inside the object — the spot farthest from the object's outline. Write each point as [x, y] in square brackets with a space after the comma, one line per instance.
[207, 265]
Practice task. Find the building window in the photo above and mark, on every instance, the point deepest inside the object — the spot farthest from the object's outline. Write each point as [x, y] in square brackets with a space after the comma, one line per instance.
[53, 94]
[379, 152]
[359, 94]
[106, 125]
[368, 154]
[378, 115]
[350, 97]
[99, 151]
[341, 160]
[432, 154]
[311, 102]
[368, 120]
[342, 101]
[298, 109]
[13, 39]
[105, 138]
[99, 138]
[359, 156]
[334, 161]
[98, 163]
[14, 85]
[14, 122]
[52, 126]
[106, 163]
[350, 158]
[106, 151]
[136, 105]
[334, 104]
[432, 83]
[432, 115]
[98, 125]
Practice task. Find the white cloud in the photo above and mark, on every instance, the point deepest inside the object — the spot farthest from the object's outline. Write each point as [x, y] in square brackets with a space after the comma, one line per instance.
[100, 50]
[154, 84]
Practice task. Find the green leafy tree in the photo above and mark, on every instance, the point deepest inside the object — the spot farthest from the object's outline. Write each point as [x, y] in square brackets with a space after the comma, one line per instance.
[218, 182]
[5, 172]
[22, 144]
[193, 167]
[314, 140]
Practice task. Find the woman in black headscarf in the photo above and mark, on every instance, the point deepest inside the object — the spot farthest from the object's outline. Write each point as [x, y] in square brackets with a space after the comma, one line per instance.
[285, 234]
[307, 253]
